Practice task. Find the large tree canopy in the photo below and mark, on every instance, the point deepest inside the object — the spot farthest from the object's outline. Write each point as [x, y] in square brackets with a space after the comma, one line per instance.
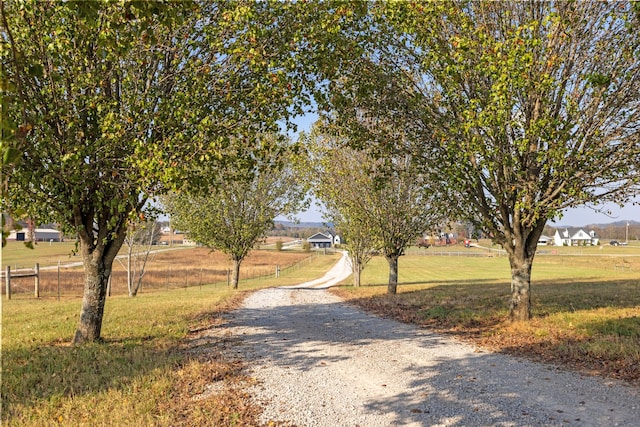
[520, 109]
[237, 210]
[95, 84]
[117, 101]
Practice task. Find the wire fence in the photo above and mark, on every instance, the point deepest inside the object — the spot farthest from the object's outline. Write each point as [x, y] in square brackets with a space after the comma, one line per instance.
[67, 281]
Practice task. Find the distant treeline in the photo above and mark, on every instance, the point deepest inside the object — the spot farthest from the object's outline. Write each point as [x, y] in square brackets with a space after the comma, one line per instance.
[295, 231]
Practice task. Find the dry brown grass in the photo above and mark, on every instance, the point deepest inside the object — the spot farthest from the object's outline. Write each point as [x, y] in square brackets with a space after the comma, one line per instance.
[165, 270]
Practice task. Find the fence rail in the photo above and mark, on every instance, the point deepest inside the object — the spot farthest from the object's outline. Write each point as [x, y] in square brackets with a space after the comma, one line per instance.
[67, 281]
[7, 275]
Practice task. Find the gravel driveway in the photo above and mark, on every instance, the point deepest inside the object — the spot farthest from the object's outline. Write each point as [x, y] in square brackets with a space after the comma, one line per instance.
[321, 362]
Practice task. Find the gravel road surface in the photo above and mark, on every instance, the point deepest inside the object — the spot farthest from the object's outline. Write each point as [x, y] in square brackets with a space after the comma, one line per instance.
[321, 362]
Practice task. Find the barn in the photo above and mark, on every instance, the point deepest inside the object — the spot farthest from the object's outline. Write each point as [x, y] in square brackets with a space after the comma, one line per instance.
[41, 235]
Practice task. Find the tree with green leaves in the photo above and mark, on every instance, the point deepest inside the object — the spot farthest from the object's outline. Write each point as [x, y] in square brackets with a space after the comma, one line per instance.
[115, 103]
[236, 211]
[92, 80]
[376, 203]
[402, 208]
[339, 176]
[521, 109]
[11, 137]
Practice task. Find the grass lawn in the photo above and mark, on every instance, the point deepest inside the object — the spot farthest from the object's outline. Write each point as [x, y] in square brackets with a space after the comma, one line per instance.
[17, 255]
[144, 373]
[586, 308]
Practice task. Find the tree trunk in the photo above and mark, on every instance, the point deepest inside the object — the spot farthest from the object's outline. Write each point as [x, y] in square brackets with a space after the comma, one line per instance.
[356, 270]
[132, 292]
[96, 279]
[136, 265]
[521, 254]
[98, 262]
[31, 231]
[235, 276]
[520, 307]
[393, 273]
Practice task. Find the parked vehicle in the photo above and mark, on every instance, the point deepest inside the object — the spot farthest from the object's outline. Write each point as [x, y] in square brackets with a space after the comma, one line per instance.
[423, 244]
[614, 243]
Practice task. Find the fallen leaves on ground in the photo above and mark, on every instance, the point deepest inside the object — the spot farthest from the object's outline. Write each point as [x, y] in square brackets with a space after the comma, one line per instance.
[535, 340]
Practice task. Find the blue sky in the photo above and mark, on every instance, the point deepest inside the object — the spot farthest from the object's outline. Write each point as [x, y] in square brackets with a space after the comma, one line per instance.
[584, 216]
[572, 217]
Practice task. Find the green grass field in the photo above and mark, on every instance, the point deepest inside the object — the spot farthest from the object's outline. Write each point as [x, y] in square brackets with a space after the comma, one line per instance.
[454, 266]
[17, 255]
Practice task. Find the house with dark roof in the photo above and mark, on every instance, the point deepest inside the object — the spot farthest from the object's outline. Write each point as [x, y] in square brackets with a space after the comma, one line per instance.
[321, 240]
[575, 237]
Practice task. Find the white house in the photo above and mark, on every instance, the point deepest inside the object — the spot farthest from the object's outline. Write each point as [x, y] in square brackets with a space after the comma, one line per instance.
[575, 237]
[545, 240]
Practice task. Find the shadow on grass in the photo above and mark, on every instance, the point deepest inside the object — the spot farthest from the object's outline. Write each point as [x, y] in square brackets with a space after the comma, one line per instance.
[592, 325]
[435, 282]
[608, 348]
[36, 374]
[133, 377]
[487, 295]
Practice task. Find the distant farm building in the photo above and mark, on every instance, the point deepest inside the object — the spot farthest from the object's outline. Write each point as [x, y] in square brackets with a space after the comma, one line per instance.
[321, 240]
[545, 240]
[41, 235]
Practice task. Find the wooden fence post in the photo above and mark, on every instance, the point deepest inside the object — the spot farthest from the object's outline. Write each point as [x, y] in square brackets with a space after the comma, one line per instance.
[58, 280]
[37, 280]
[8, 280]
